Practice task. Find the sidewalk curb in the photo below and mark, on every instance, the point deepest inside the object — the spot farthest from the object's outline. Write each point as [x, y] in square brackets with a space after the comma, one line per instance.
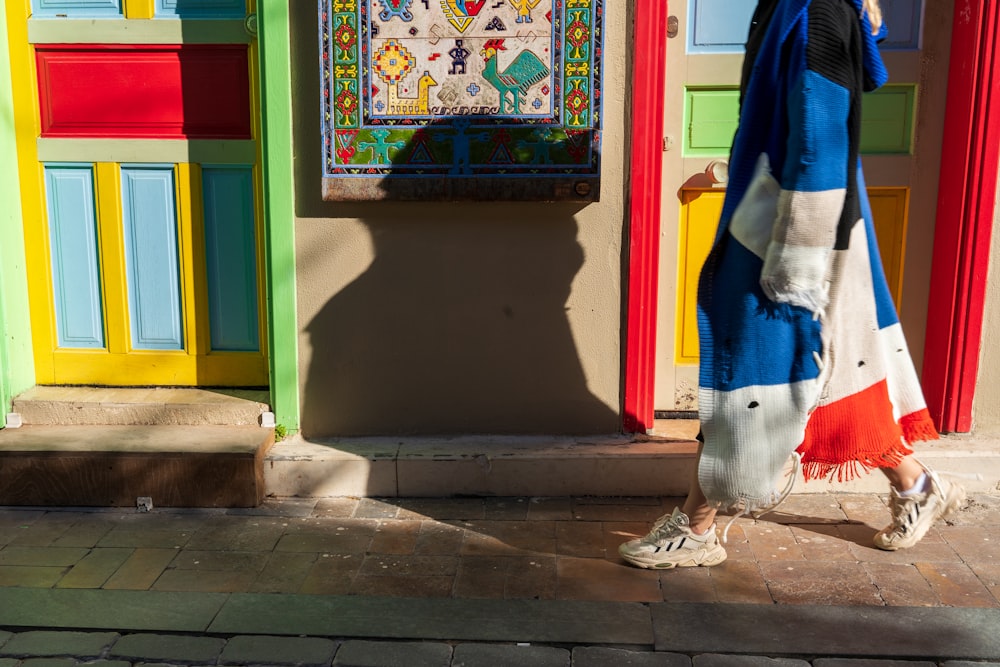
[814, 631]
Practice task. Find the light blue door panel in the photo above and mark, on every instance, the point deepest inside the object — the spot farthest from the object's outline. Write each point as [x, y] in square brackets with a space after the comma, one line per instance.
[76, 282]
[76, 8]
[230, 256]
[719, 26]
[150, 232]
[203, 9]
[902, 18]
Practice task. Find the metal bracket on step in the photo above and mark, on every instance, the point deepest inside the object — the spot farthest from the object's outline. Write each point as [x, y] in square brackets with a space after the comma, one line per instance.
[14, 420]
[267, 419]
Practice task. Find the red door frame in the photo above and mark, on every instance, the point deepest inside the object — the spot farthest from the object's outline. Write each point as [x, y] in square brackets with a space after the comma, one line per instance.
[966, 205]
[648, 81]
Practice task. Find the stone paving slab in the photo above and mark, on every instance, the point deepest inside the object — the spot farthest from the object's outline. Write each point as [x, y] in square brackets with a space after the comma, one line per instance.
[862, 662]
[155, 647]
[603, 656]
[717, 660]
[270, 650]
[386, 654]
[102, 609]
[49, 643]
[842, 631]
[506, 655]
[482, 620]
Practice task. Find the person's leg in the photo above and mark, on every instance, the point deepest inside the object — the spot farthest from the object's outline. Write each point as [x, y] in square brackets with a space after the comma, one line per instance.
[701, 516]
[918, 498]
[904, 475]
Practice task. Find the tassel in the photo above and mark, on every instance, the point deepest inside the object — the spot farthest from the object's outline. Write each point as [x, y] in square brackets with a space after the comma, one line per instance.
[918, 427]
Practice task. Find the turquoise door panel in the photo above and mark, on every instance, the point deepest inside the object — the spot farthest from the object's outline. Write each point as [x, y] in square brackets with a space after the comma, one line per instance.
[76, 8]
[230, 255]
[719, 26]
[202, 9]
[149, 216]
[69, 191]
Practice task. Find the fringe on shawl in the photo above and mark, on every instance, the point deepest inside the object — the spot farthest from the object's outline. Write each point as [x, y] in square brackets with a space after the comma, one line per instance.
[914, 427]
[845, 471]
[918, 427]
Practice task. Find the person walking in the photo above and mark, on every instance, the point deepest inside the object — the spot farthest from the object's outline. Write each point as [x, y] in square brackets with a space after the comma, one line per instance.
[802, 353]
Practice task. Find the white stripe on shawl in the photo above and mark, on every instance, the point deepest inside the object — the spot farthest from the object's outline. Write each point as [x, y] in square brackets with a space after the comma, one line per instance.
[904, 386]
[864, 355]
[753, 220]
[850, 327]
[798, 275]
[761, 427]
[809, 218]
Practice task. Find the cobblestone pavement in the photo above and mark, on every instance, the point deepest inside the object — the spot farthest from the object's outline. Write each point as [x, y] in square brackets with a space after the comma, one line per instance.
[816, 549]
[480, 556]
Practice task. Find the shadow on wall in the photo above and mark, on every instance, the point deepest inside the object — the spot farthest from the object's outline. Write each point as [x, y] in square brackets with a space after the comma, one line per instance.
[458, 325]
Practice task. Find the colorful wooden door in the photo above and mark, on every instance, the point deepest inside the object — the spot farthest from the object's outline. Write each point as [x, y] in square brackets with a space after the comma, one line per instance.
[704, 60]
[138, 149]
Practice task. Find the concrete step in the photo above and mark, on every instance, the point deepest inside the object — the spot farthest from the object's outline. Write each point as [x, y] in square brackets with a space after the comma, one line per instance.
[661, 464]
[100, 466]
[140, 406]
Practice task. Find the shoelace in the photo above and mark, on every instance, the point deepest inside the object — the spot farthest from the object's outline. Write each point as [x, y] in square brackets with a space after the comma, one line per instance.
[756, 514]
[663, 528]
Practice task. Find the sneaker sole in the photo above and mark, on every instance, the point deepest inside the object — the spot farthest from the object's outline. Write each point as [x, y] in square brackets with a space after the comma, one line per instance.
[950, 507]
[700, 559]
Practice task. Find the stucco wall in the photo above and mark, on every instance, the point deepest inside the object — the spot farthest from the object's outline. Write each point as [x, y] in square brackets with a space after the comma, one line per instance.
[986, 406]
[434, 318]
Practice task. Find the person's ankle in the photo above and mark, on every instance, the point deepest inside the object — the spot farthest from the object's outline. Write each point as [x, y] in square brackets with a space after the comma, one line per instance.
[702, 531]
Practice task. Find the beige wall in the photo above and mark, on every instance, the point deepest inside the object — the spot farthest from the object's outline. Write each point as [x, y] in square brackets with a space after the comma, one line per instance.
[986, 406]
[434, 318]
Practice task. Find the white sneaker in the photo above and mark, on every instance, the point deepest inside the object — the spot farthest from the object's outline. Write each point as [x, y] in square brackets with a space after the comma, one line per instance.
[912, 516]
[671, 543]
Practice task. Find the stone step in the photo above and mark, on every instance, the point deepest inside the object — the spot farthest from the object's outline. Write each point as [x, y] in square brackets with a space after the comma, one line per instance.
[114, 466]
[658, 465]
[140, 406]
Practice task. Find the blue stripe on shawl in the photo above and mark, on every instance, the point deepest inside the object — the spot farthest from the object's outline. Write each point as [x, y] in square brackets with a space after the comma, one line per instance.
[760, 342]
[817, 135]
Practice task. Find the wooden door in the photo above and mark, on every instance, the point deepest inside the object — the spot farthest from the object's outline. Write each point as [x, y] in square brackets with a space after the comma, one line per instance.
[704, 60]
[138, 135]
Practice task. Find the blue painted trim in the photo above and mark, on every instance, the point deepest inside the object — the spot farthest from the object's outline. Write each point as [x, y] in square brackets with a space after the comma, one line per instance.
[69, 193]
[903, 19]
[718, 26]
[76, 8]
[202, 9]
[231, 258]
[149, 217]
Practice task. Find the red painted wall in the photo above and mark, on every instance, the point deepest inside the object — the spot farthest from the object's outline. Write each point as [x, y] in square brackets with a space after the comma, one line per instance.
[144, 91]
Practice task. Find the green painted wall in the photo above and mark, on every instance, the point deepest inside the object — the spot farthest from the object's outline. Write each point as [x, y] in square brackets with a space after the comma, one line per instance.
[279, 209]
[16, 367]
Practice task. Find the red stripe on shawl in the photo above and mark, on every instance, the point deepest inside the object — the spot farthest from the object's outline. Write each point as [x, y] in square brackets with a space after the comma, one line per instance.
[858, 434]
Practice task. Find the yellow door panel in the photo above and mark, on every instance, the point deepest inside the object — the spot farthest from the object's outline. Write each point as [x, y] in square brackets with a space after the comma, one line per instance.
[890, 213]
[700, 212]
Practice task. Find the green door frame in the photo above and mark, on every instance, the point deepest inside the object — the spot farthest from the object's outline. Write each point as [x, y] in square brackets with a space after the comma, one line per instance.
[279, 209]
[17, 370]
